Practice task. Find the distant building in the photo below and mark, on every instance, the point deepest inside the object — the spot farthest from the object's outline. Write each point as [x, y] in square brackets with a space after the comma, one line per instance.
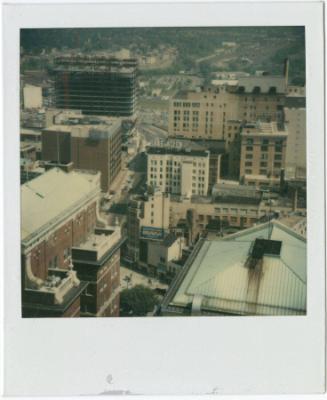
[297, 222]
[296, 91]
[96, 85]
[178, 170]
[263, 154]
[33, 119]
[252, 272]
[55, 218]
[32, 96]
[89, 146]
[204, 114]
[295, 119]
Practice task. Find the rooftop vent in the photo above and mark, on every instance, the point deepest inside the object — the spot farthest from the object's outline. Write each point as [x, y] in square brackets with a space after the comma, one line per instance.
[263, 247]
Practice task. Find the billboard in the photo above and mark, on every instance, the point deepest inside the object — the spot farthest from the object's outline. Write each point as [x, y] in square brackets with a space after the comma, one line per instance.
[149, 232]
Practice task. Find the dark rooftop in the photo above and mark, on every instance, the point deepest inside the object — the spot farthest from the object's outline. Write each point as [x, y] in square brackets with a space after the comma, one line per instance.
[237, 200]
[169, 239]
[181, 152]
[263, 247]
[295, 102]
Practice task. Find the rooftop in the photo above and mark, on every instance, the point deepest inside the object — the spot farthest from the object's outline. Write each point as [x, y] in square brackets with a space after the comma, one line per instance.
[260, 128]
[263, 84]
[98, 243]
[94, 64]
[50, 196]
[180, 152]
[169, 239]
[102, 130]
[234, 199]
[257, 271]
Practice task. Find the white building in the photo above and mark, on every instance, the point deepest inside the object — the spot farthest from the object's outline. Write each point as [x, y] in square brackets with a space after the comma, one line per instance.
[296, 142]
[178, 171]
[160, 254]
[32, 96]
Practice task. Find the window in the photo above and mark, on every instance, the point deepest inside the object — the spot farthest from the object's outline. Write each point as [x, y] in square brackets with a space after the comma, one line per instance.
[249, 141]
[278, 157]
[263, 172]
[264, 148]
[249, 148]
[248, 156]
[66, 253]
[263, 164]
[248, 163]
[277, 164]
[248, 171]
[264, 156]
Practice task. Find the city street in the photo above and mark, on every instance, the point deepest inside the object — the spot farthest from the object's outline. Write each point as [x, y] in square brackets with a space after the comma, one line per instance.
[138, 279]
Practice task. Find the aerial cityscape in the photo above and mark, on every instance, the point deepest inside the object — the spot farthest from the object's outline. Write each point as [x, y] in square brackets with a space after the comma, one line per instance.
[163, 172]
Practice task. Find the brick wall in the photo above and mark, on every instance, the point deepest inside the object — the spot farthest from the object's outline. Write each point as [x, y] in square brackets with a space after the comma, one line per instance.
[73, 310]
[54, 251]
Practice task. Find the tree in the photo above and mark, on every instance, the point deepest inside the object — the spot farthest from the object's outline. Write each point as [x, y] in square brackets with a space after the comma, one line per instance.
[137, 301]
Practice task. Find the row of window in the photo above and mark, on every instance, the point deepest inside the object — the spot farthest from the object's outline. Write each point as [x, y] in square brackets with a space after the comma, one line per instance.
[186, 104]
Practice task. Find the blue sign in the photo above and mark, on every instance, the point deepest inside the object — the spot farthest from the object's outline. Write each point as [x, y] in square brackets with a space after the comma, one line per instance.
[148, 232]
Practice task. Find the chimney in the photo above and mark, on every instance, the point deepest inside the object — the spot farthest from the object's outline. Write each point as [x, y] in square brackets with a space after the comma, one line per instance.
[286, 70]
[295, 193]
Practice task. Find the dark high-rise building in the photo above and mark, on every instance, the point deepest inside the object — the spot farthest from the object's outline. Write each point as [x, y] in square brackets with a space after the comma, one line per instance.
[96, 85]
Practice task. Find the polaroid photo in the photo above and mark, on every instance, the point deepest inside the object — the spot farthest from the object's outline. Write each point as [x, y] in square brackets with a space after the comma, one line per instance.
[164, 160]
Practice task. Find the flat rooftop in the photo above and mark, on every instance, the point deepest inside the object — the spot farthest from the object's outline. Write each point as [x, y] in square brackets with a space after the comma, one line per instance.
[263, 129]
[180, 152]
[100, 131]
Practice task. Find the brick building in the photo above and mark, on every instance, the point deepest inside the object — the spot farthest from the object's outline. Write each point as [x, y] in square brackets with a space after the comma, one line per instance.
[97, 261]
[55, 220]
[92, 144]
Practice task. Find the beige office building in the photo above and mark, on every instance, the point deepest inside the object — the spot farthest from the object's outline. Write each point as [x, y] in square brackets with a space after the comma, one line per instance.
[156, 211]
[295, 119]
[263, 154]
[204, 114]
[178, 171]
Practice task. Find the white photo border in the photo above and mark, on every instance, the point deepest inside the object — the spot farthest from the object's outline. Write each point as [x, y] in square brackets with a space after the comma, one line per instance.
[235, 355]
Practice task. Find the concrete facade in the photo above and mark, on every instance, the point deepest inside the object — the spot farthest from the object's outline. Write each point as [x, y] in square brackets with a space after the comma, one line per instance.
[89, 147]
[295, 119]
[205, 114]
[178, 171]
[263, 154]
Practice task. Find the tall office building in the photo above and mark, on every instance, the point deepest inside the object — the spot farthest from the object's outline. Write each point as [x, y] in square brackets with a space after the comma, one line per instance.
[205, 114]
[89, 146]
[96, 85]
[263, 153]
[181, 171]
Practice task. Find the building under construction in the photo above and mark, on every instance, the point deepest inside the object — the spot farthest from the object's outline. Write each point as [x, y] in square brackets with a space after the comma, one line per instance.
[96, 85]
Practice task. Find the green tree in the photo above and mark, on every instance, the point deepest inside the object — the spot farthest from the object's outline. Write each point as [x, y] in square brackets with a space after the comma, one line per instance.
[137, 301]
